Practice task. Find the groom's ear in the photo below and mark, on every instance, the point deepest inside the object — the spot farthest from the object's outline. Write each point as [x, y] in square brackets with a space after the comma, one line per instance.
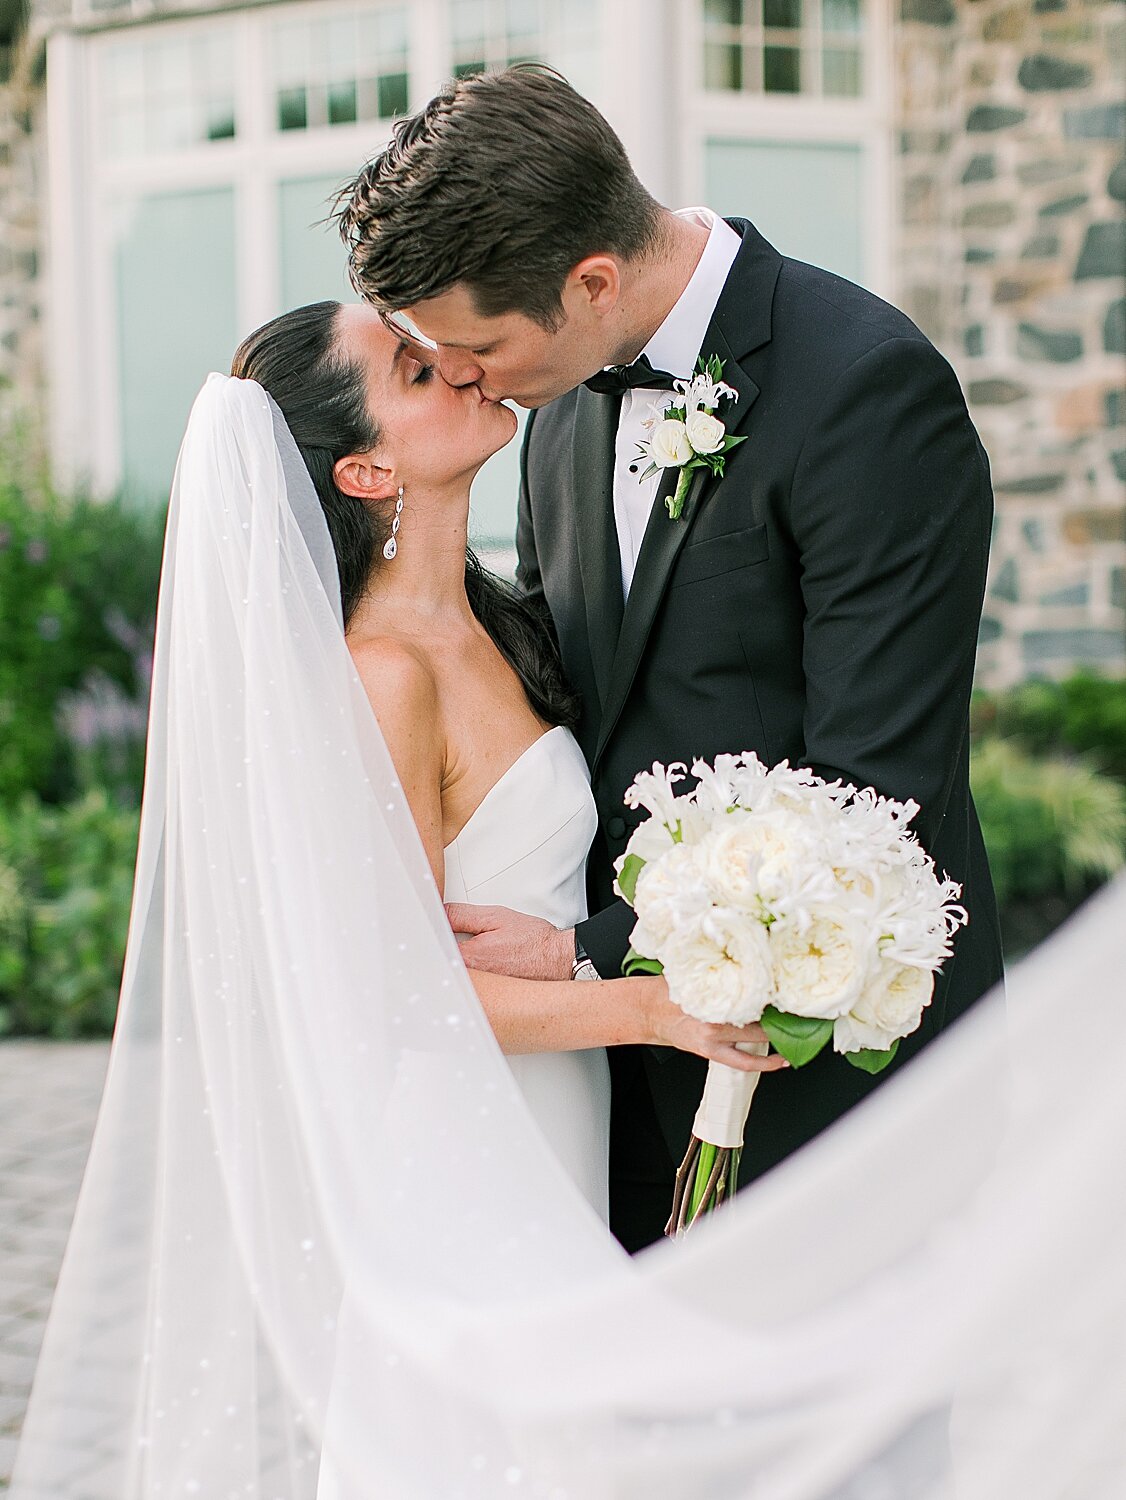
[358, 476]
[596, 283]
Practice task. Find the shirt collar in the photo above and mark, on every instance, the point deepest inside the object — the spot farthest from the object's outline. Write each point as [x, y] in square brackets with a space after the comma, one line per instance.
[678, 342]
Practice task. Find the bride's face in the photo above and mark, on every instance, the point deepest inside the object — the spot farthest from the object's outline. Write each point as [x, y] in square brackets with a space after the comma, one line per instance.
[434, 435]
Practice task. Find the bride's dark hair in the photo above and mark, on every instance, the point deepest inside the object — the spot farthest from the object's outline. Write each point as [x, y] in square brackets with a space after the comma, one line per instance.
[323, 397]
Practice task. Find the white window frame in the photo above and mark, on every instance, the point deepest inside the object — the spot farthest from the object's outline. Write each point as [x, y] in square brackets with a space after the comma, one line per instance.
[866, 122]
[82, 319]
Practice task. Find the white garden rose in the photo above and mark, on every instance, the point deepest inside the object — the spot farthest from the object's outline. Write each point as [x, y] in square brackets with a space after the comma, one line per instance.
[892, 1004]
[705, 433]
[670, 891]
[669, 446]
[820, 966]
[717, 967]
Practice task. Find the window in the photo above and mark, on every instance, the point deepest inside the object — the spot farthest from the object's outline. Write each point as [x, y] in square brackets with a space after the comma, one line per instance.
[340, 69]
[492, 34]
[811, 47]
[167, 93]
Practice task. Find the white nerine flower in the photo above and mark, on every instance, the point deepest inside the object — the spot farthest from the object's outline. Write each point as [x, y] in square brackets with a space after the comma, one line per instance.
[717, 967]
[669, 445]
[701, 392]
[705, 433]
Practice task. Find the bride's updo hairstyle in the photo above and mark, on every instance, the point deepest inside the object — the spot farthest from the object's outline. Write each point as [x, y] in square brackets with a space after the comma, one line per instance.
[323, 397]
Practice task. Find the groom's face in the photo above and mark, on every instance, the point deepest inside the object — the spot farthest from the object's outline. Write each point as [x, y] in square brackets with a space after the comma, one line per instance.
[510, 356]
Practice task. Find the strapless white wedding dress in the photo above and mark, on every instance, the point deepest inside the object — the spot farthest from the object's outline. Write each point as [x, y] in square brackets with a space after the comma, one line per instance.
[525, 847]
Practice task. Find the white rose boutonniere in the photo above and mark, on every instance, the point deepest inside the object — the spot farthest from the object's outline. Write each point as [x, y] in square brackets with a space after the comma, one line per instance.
[687, 435]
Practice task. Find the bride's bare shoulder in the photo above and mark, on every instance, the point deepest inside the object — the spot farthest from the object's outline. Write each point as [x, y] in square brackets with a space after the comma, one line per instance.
[395, 674]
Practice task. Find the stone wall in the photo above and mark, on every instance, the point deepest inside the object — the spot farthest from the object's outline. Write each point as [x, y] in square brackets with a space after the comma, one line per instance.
[1013, 258]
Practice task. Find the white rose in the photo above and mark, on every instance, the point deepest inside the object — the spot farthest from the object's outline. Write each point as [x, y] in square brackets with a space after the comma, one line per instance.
[705, 433]
[717, 967]
[895, 999]
[669, 446]
[821, 970]
[669, 892]
[734, 851]
[649, 841]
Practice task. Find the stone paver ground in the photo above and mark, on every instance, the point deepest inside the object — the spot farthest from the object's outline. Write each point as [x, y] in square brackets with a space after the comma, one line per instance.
[49, 1094]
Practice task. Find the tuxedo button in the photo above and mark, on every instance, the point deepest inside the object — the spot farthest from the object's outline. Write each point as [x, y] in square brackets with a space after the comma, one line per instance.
[616, 827]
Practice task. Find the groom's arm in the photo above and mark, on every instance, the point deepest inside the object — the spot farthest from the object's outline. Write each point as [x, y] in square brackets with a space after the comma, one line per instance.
[891, 510]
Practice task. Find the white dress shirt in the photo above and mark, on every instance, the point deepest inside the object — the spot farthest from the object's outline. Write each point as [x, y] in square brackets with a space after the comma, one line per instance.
[674, 347]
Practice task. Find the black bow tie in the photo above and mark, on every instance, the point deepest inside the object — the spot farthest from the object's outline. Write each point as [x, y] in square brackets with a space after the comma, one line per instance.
[640, 376]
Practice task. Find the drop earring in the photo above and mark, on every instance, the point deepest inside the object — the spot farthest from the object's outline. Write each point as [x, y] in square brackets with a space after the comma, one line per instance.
[391, 546]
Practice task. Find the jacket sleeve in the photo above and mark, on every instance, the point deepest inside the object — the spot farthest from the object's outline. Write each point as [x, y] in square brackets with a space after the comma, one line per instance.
[891, 515]
[605, 936]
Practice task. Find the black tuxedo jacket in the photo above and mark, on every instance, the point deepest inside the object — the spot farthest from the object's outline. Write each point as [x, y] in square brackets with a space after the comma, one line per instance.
[819, 603]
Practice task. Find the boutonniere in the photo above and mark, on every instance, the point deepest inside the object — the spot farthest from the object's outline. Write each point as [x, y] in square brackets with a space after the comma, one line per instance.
[687, 435]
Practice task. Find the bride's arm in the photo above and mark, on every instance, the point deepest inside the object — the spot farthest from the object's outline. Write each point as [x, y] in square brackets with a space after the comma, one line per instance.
[559, 1015]
[527, 1015]
[402, 692]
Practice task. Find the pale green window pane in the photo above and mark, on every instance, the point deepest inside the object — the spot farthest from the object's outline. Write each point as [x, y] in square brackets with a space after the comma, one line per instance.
[806, 199]
[723, 66]
[841, 16]
[314, 263]
[782, 13]
[468, 20]
[293, 110]
[393, 95]
[842, 74]
[342, 103]
[726, 12]
[175, 275]
[521, 19]
[781, 70]
[496, 490]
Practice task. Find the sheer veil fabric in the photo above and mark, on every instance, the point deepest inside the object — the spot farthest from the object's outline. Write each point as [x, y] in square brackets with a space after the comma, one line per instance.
[318, 1215]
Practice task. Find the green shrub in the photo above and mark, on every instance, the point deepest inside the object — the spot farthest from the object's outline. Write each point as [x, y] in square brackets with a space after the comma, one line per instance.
[66, 880]
[1085, 715]
[1055, 828]
[78, 585]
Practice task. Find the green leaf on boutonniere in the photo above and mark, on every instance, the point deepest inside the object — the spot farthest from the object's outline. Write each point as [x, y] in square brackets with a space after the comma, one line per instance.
[632, 866]
[798, 1038]
[633, 963]
[733, 442]
[869, 1060]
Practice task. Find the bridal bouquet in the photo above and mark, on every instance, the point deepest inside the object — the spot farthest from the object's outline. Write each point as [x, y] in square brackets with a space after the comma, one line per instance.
[771, 895]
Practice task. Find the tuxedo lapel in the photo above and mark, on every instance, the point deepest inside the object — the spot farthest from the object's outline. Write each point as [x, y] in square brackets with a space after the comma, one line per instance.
[663, 540]
[592, 479]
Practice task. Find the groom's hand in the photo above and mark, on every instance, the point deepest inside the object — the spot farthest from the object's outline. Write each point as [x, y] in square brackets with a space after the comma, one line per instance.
[501, 941]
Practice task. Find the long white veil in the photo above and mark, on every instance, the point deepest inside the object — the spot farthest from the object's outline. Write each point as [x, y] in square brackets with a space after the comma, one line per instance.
[318, 1215]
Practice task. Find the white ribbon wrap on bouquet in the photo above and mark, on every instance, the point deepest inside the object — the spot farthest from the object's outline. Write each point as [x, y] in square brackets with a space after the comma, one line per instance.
[722, 1116]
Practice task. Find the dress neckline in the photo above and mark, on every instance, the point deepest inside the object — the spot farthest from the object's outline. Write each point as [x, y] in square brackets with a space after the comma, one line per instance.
[504, 775]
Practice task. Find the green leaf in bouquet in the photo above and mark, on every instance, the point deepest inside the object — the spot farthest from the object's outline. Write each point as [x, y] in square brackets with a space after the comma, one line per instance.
[798, 1038]
[636, 963]
[870, 1060]
[632, 867]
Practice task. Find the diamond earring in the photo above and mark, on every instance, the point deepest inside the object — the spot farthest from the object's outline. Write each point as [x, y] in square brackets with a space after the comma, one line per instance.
[391, 546]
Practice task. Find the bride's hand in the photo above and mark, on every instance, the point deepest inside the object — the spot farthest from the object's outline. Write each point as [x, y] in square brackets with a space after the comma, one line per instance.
[668, 1026]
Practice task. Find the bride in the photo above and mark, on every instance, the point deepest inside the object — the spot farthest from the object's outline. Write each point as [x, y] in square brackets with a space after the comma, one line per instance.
[466, 685]
[319, 1231]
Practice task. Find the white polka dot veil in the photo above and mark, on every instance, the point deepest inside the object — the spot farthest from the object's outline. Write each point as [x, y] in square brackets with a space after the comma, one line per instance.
[322, 1253]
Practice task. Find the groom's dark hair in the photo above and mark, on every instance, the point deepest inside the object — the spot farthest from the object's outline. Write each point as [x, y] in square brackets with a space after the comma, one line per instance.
[504, 182]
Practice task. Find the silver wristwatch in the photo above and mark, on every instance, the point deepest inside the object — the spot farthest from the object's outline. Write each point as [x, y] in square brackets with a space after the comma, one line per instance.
[582, 968]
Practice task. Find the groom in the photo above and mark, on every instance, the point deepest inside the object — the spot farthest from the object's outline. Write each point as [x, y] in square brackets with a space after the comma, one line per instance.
[819, 602]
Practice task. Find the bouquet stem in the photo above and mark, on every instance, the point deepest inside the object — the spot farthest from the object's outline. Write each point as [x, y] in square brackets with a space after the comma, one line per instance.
[710, 1170]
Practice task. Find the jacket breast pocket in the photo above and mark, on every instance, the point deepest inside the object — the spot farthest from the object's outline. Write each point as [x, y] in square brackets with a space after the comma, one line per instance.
[716, 555]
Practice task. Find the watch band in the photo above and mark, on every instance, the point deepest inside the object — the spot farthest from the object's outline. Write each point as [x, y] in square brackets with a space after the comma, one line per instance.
[583, 968]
